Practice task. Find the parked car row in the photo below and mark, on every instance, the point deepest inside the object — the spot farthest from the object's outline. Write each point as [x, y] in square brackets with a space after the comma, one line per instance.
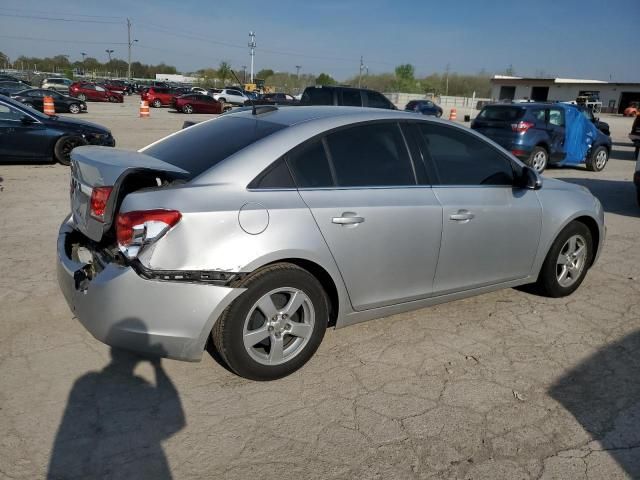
[62, 103]
[93, 92]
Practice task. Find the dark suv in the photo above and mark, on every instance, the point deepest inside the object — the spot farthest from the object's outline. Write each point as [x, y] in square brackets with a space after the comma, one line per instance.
[542, 134]
[345, 96]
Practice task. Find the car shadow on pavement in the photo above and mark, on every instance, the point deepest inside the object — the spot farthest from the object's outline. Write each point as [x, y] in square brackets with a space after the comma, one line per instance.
[616, 196]
[115, 421]
[603, 394]
[617, 154]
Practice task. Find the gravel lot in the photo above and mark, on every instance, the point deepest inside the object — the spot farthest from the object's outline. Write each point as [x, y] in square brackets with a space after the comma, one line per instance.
[505, 385]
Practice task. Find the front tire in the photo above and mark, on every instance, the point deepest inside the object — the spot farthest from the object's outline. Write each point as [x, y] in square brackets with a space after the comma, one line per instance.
[538, 159]
[157, 103]
[274, 328]
[567, 261]
[74, 108]
[64, 146]
[598, 159]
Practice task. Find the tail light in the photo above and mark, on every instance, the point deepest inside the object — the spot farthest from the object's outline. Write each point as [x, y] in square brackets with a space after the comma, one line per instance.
[521, 127]
[99, 199]
[134, 230]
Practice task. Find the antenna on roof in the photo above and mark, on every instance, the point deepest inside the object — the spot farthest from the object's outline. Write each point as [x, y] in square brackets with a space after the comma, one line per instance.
[253, 105]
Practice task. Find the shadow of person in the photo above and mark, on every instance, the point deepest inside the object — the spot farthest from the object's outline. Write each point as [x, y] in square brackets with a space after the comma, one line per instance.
[603, 394]
[115, 421]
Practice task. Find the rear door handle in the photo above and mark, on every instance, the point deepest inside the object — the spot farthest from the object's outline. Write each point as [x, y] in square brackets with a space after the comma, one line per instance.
[348, 218]
[462, 216]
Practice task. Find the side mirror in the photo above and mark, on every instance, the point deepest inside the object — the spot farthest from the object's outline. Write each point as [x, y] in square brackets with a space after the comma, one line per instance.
[530, 179]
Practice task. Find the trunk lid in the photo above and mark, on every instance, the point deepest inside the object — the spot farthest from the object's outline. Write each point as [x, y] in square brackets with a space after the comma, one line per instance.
[123, 170]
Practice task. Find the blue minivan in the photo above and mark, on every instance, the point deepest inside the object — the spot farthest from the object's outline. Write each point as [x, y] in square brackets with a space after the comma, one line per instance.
[542, 134]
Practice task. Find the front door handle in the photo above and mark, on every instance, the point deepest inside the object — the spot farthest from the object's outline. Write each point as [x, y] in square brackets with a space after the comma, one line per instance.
[462, 216]
[347, 218]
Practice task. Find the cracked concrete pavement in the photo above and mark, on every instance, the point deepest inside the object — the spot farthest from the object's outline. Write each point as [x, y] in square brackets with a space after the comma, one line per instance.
[504, 385]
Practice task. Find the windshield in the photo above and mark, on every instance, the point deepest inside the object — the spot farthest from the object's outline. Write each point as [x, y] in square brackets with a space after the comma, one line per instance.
[200, 147]
[499, 113]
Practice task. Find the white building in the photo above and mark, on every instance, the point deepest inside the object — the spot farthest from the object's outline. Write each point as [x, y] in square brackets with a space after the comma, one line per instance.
[175, 78]
[615, 97]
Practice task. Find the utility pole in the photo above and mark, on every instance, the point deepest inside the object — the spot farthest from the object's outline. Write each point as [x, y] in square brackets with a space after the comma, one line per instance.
[360, 74]
[252, 51]
[446, 89]
[298, 67]
[129, 43]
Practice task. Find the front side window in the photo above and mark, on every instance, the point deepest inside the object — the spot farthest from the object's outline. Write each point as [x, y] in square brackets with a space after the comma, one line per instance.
[8, 113]
[460, 158]
[370, 155]
[36, 94]
[377, 100]
[556, 117]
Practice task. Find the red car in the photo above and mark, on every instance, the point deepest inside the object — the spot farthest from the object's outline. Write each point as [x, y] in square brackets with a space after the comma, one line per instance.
[197, 103]
[159, 96]
[90, 91]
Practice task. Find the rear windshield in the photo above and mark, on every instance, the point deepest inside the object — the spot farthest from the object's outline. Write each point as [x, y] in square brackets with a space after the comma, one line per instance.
[317, 96]
[507, 114]
[198, 148]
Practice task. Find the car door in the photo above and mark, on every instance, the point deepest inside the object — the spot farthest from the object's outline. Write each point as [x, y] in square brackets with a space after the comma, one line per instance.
[20, 140]
[490, 228]
[556, 128]
[206, 104]
[382, 228]
[36, 98]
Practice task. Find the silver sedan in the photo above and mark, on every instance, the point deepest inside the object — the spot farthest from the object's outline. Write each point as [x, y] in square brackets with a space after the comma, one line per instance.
[261, 229]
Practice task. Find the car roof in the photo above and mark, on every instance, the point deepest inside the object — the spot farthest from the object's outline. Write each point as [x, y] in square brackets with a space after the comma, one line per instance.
[293, 115]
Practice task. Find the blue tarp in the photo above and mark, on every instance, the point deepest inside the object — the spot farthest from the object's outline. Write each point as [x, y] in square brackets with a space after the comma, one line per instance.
[580, 134]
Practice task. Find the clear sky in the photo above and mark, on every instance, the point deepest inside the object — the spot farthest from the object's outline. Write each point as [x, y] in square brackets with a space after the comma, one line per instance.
[596, 39]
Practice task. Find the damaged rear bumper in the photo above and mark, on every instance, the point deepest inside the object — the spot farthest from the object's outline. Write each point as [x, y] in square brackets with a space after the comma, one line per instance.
[121, 309]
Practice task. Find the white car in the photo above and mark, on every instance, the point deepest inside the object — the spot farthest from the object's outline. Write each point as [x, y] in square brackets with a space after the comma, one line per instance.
[200, 90]
[230, 95]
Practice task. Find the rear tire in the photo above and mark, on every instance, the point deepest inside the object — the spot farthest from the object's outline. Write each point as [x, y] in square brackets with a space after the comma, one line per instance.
[187, 109]
[82, 97]
[598, 159]
[74, 108]
[156, 103]
[538, 159]
[247, 338]
[565, 266]
[64, 146]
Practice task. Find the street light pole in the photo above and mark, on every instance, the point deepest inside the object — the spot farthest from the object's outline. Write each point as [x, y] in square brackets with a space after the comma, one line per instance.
[298, 67]
[244, 74]
[360, 74]
[252, 51]
[130, 44]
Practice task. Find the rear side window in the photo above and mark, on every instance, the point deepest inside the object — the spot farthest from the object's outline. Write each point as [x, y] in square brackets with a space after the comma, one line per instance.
[310, 166]
[318, 96]
[351, 98]
[198, 148]
[498, 113]
[276, 176]
[556, 117]
[460, 158]
[370, 155]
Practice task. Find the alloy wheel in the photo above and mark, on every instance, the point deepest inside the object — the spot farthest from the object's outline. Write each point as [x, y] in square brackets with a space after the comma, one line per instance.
[74, 108]
[187, 109]
[571, 260]
[539, 161]
[601, 159]
[278, 326]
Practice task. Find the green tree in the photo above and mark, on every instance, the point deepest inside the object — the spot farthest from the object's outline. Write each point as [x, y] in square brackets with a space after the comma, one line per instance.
[405, 72]
[264, 73]
[224, 71]
[325, 79]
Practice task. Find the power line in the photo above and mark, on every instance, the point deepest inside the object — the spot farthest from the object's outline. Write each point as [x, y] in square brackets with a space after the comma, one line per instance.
[62, 41]
[56, 13]
[57, 19]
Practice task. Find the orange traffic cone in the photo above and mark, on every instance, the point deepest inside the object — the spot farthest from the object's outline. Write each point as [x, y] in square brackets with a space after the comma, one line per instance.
[49, 109]
[453, 115]
[144, 109]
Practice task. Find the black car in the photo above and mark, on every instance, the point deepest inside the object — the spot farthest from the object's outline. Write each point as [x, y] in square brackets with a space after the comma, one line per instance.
[62, 103]
[345, 96]
[9, 87]
[6, 77]
[28, 135]
[425, 107]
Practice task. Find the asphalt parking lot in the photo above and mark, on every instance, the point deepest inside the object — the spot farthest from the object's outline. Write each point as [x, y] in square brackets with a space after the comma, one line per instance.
[506, 385]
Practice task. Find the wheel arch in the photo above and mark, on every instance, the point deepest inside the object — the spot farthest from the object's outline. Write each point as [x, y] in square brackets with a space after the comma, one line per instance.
[322, 275]
[594, 229]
